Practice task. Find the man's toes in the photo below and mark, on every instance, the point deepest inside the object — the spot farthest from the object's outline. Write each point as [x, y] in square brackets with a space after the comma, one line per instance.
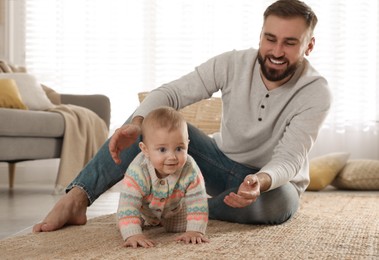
[37, 228]
[46, 227]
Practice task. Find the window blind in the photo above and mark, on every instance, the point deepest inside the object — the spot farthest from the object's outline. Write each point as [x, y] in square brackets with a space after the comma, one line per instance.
[121, 47]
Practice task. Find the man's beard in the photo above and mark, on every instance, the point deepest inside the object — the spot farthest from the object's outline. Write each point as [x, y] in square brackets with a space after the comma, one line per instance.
[273, 74]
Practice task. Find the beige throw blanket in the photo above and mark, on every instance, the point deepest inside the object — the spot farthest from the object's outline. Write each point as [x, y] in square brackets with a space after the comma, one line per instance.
[84, 133]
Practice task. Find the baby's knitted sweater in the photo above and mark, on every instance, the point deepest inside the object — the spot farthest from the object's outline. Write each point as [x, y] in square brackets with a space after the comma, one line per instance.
[146, 197]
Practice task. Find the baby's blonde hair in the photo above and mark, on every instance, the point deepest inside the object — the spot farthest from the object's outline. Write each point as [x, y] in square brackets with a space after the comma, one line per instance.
[163, 117]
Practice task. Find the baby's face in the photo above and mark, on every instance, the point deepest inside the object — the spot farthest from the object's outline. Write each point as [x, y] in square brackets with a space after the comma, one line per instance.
[167, 150]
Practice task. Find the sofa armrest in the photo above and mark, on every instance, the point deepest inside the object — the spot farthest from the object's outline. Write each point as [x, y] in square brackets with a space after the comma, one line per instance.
[100, 104]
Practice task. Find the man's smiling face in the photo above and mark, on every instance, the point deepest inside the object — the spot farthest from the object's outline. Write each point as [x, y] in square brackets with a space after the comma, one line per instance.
[283, 44]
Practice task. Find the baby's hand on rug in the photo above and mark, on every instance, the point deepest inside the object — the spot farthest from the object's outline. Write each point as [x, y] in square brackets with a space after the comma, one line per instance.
[139, 240]
[192, 237]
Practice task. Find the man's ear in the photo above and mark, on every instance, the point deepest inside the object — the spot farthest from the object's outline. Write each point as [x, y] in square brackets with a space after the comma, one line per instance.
[310, 46]
[144, 149]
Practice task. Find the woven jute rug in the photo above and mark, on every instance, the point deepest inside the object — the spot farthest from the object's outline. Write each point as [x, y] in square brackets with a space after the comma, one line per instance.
[328, 225]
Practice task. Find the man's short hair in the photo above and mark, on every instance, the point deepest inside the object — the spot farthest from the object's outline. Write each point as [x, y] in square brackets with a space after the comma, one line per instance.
[292, 8]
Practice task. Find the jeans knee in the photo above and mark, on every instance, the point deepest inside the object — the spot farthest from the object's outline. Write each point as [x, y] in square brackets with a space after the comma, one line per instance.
[281, 216]
[283, 202]
[271, 208]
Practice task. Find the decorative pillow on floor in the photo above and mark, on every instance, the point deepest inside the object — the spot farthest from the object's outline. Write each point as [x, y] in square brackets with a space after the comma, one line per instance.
[9, 95]
[358, 174]
[31, 91]
[323, 169]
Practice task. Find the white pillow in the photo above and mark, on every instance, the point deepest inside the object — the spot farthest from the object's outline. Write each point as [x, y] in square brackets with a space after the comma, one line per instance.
[31, 91]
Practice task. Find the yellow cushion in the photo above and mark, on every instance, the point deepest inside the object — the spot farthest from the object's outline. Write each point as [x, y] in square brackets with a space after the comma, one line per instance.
[358, 174]
[9, 95]
[324, 169]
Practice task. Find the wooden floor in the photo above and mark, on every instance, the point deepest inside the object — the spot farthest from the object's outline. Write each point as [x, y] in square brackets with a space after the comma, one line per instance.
[32, 197]
[26, 205]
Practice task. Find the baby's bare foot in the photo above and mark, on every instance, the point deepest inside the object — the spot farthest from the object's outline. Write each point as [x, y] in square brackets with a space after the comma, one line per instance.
[69, 210]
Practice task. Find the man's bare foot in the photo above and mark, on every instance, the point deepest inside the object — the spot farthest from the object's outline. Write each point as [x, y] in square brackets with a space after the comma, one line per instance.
[69, 210]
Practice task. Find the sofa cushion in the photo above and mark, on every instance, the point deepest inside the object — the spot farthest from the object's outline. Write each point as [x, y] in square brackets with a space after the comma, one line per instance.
[4, 67]
[10, 97]
[54, 96]
[29, 148]
[21, 123]
[31, 91]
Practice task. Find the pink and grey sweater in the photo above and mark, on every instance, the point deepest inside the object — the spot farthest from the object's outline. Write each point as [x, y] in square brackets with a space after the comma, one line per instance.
[145, 197]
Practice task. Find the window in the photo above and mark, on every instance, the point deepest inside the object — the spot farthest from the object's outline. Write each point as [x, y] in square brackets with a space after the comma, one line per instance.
[121, 47]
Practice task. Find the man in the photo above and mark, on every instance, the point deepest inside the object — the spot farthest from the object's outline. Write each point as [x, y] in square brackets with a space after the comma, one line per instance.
[256, 168]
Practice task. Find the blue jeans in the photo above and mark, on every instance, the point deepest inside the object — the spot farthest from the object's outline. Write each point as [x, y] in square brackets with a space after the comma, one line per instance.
[221, 174]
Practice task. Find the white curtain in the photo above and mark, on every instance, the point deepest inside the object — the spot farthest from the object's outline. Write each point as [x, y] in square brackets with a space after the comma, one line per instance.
[122, 47]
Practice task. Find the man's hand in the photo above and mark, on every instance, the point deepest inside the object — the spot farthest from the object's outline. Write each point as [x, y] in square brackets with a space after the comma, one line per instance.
[192, 237]
[122, 138]
[249, 190]
[139, 240]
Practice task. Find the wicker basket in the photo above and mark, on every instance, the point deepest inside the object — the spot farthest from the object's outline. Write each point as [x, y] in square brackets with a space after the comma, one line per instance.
[205, 114]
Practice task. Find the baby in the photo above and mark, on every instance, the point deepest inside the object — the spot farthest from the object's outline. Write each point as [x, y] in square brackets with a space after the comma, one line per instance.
[163, 185]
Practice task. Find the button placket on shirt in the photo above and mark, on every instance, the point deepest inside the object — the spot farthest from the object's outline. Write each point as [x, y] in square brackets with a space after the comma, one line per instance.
[263, 106]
